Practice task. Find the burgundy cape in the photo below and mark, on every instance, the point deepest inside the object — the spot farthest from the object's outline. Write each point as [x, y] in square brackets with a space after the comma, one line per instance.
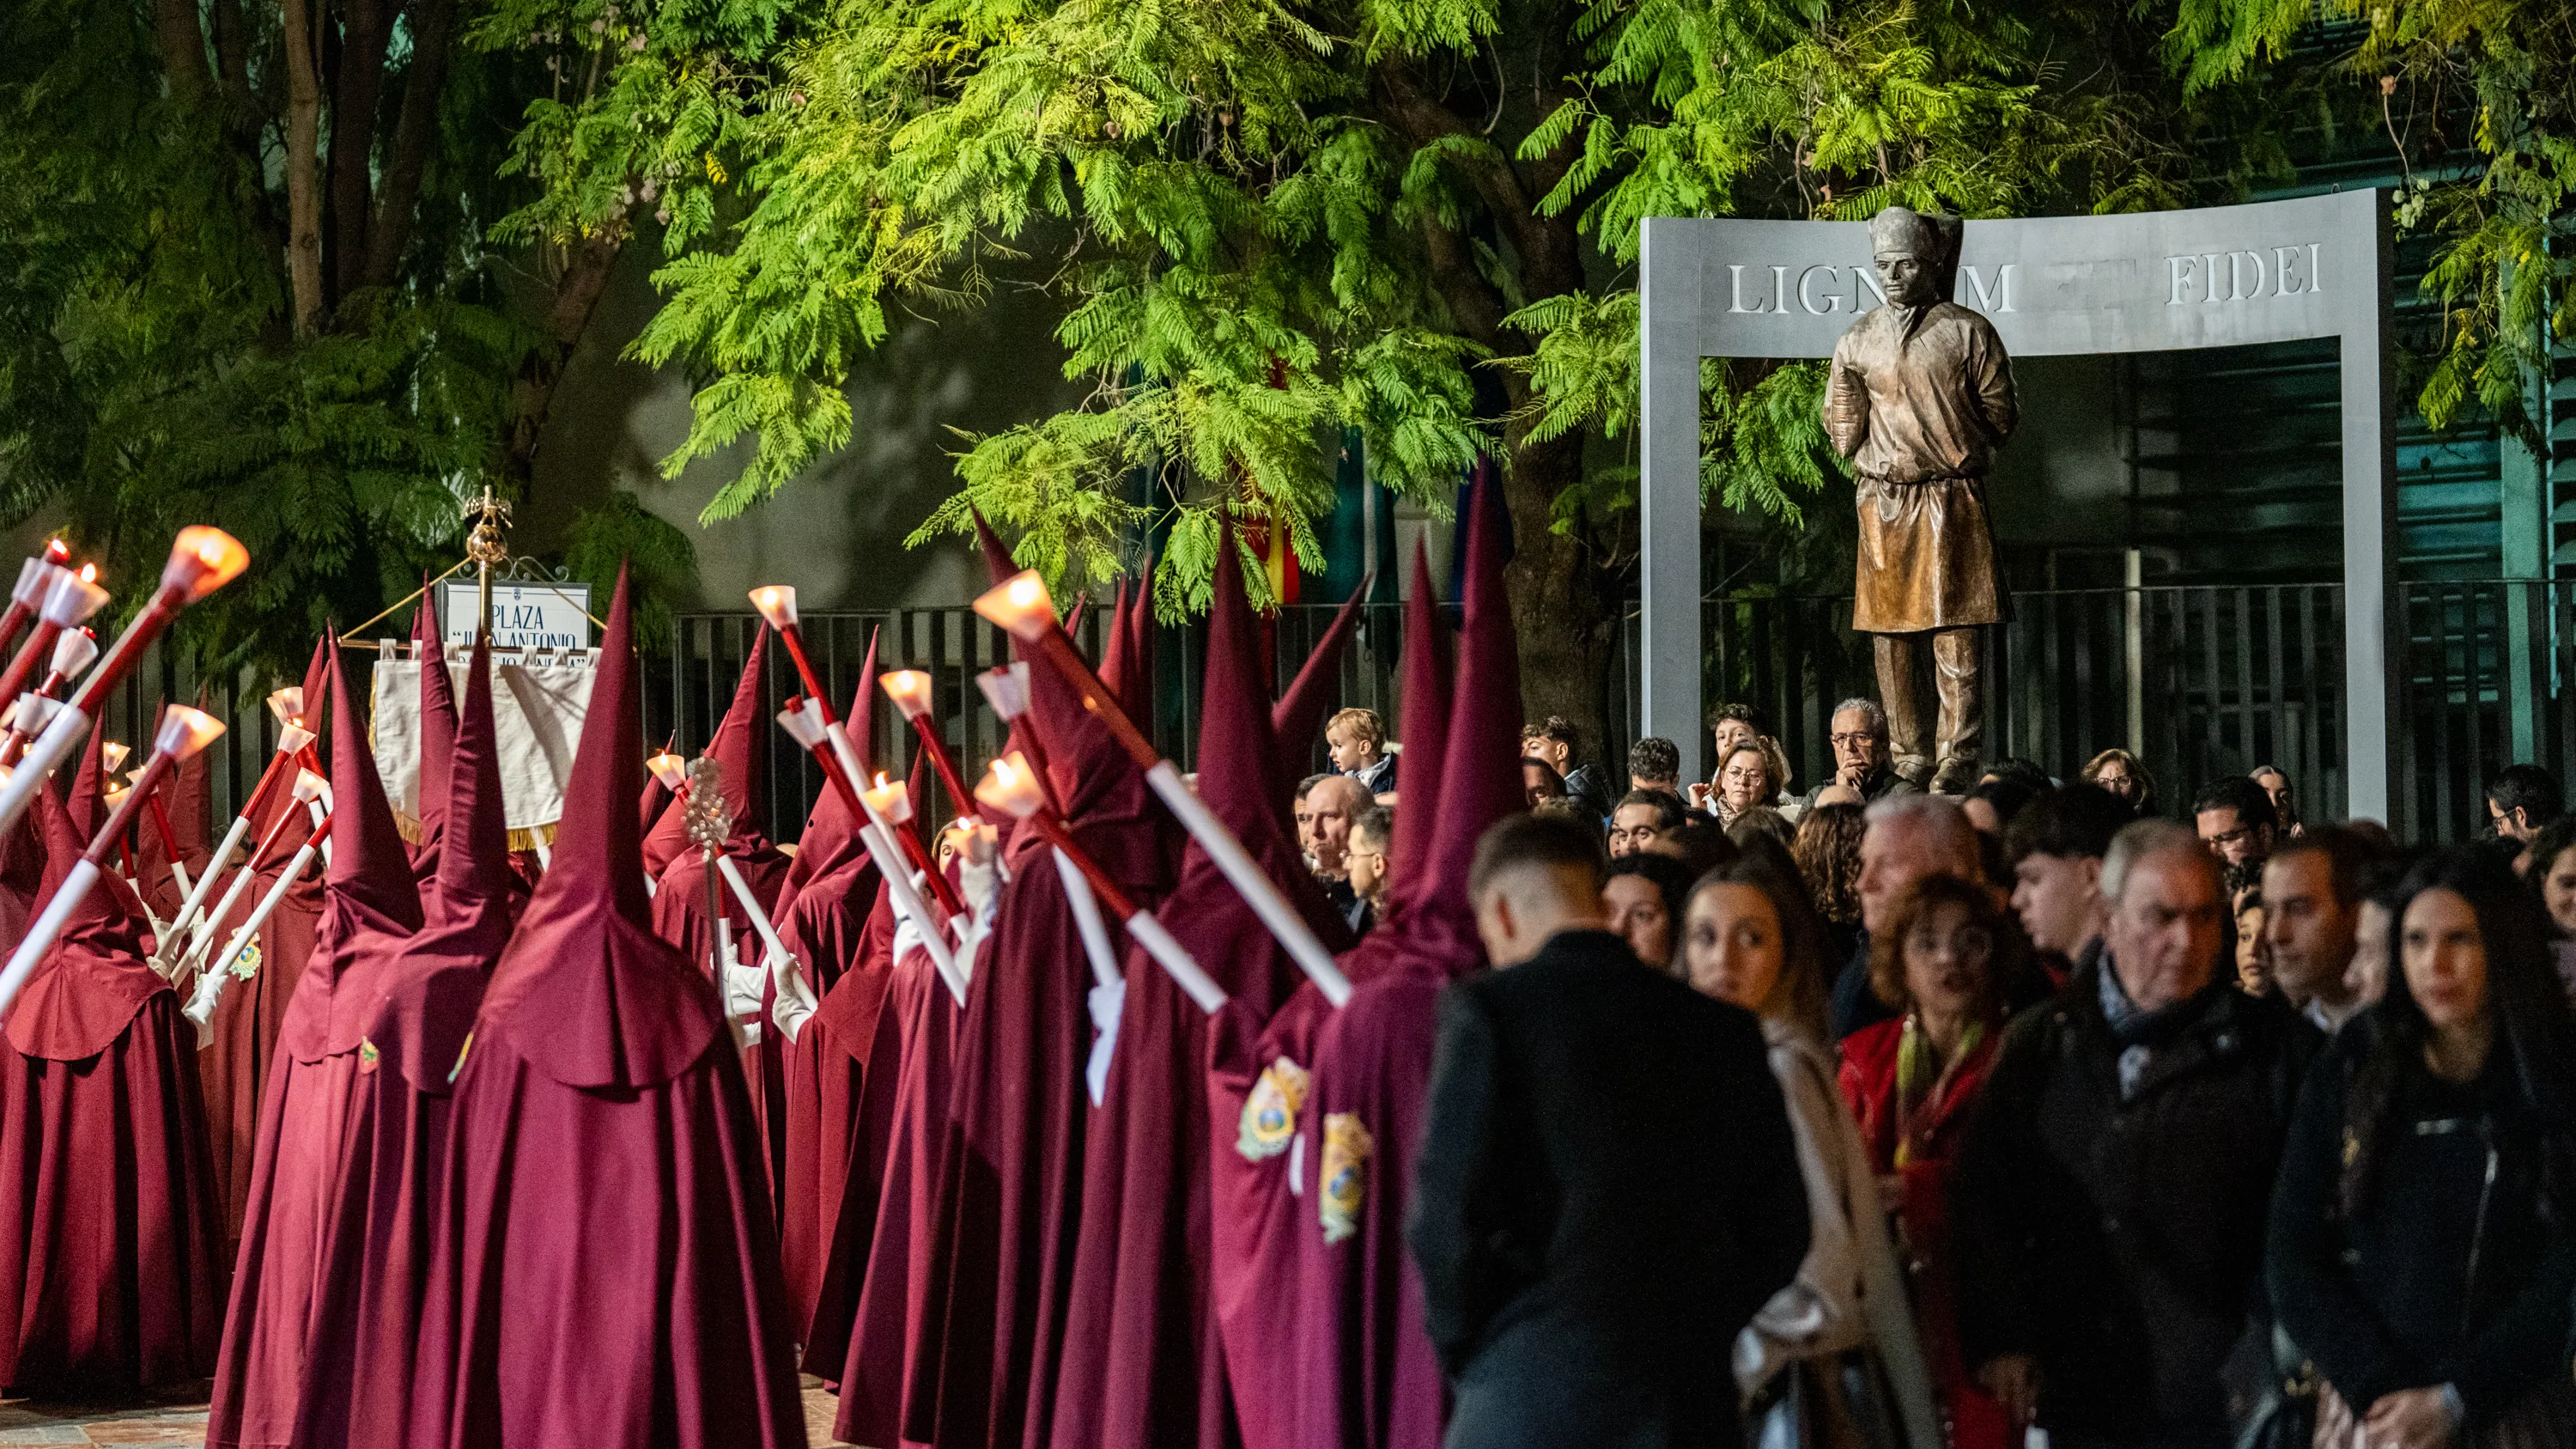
[379, 1225]
[111, 1250]
[1139, 1363]
[1368, 1376]
[608, 1262]
[1260, 1172]
[22, 874]
[246, 1020]
[680, 894]
[371, 909]
[824, 925]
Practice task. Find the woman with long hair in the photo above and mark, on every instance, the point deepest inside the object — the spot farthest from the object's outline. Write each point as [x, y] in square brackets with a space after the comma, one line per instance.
[2421, 1252]
[1827, 849]
[1752, 940]
[1913, 1082]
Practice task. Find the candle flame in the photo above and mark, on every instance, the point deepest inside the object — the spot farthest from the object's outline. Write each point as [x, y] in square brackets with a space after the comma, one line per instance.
[89, 573]
[56, 550]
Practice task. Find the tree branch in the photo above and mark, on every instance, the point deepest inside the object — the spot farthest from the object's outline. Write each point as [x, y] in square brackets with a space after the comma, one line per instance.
[415, 134]
[577, 292]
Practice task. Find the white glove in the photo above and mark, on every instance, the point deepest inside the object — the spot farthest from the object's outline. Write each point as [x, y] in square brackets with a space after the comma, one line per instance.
[1107, 1000]
[792, 998]
[741, 990]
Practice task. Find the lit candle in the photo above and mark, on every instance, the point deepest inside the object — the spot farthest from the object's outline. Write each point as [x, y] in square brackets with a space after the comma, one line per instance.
[1011, 787]
[115, 796]
[1020, 605]
[777, 605]
[72, 599]
[287, 704]
[111, 755]
[75, 651]
[202, 560]
[295, 739]
[891, 801]
[671, 770]
[910, 691]
[185, 731]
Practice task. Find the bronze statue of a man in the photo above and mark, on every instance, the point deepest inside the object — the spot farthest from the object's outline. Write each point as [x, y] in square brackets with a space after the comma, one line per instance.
[1920, 397]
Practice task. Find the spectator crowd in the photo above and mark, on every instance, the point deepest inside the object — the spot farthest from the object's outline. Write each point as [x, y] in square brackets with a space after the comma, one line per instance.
[2126, 1126]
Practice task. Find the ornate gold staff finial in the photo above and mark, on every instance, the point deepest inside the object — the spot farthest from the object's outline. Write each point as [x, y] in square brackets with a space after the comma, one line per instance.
[485, 546]
[709, 824]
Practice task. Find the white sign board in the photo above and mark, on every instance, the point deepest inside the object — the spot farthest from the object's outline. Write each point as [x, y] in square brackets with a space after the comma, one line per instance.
[524, 616]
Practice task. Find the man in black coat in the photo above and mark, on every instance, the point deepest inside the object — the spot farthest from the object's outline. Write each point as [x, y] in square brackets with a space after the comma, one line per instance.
[2109, 1207]
[1607, 1186]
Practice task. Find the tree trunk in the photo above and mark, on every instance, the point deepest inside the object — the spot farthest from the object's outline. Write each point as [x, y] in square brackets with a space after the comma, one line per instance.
[364, 36]
[183, 49]
[415, 134]
[577, 291]
[303, 178]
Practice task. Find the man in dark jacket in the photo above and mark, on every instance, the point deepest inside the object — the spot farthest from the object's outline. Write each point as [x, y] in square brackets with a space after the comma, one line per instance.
[2111, 1191]
[1607, 1187]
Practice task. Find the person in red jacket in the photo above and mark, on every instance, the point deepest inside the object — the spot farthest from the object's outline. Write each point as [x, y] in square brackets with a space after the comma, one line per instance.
[1911, 1083]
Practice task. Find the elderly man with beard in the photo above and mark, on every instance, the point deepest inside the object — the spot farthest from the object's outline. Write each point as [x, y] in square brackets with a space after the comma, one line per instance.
[2111, 1197]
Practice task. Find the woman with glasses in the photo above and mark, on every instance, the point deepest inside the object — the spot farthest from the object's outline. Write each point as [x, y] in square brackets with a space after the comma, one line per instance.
[2119, 772]
[2421, 1253]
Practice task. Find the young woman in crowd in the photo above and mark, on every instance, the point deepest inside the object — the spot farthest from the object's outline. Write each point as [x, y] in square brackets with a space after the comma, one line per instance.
[1911, 1083]
[2421, 1252]
[1752, 940]
[1643, 895]
[2119, 772]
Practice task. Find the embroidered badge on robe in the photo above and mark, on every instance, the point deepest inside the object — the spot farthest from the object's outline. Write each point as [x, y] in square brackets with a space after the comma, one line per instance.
[1270, 1113]
[368, 1057]
[246, 965]
[1344, 1177]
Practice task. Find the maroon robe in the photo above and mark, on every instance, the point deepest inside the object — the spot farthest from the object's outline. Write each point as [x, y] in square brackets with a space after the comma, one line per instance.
[372, 907]
[111, 1251]
[246, 1020]
[1368, 1377]
[606, 1260]
[374, 1280]
[823, 923]
[1261, 1175]
[1139, 1363]
[680, 891]
[1011, 1173]
[22, 874]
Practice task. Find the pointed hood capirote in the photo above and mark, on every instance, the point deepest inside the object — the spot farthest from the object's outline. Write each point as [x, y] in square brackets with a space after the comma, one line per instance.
[437, 735]
[1425, 727]
[738, 748]
[586, 992]
[434, 983]
[1300, 711]
[370, 903]
[1480, 780]
[88, 788]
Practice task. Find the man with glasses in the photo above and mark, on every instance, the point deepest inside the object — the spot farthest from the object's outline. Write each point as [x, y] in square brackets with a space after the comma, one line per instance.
[1861, 762]
[2234, 818]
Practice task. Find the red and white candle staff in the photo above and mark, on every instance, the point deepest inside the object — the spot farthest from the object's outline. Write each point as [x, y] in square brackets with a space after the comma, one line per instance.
[294, 747]
[70, 598]
[804, 720]
[1011, 787]
[74, 651]
[210, 986]
[202, 560]
[307, 789]
[1006, 689]
[183, 732]
[1020, 605]
[29, 591]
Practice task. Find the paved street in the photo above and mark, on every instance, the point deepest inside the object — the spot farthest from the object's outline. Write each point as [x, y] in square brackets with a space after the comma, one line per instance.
[180, 1422]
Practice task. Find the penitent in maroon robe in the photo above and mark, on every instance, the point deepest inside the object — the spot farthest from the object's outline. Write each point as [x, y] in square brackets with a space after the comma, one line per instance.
[608, 1261]
[244, 1029]
[1011, 1173]
[111, 1251]
[823, 923]
[437, 744]
[1368, 1377]
[379, 1226]
[1260, 1173]
[371, 908]
[1139, 1363]
[680, 892]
